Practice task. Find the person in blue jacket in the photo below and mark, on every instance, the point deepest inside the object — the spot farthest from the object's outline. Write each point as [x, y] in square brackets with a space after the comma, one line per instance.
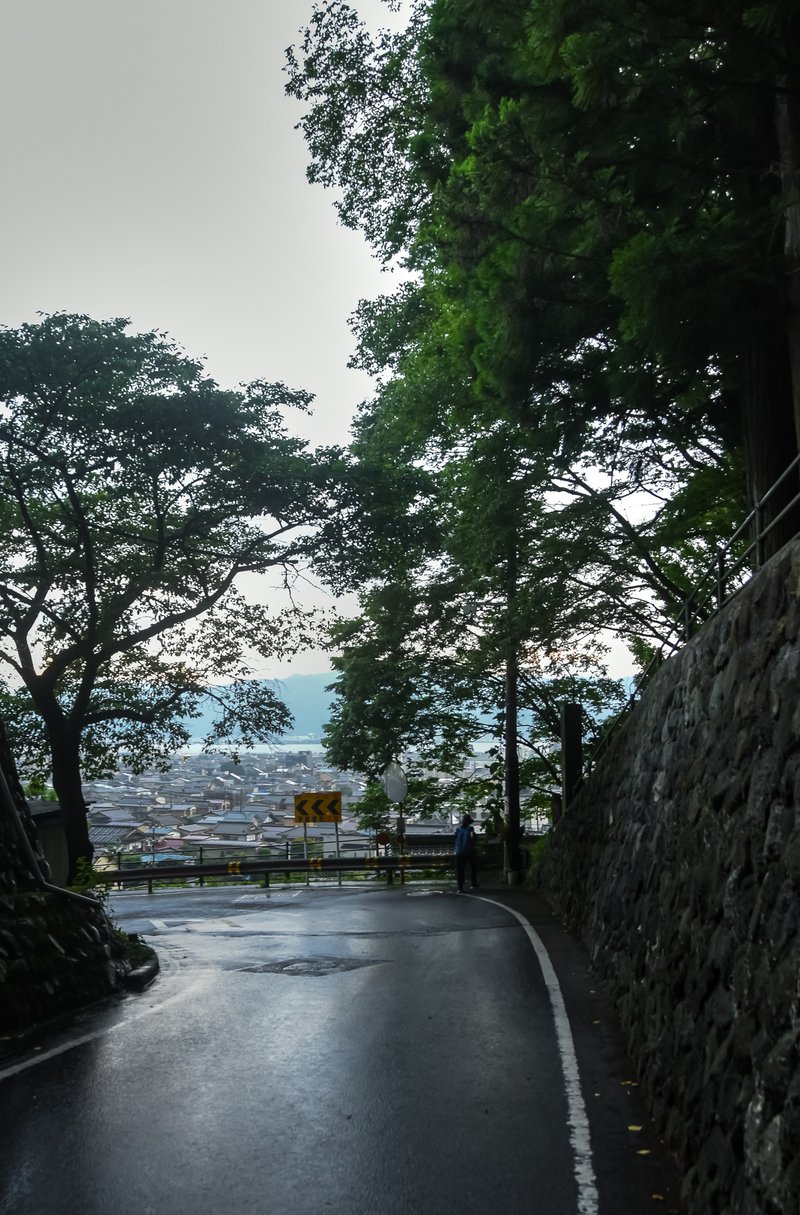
[466, 849]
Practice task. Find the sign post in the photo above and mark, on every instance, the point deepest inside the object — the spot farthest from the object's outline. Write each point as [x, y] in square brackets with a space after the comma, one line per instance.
[318, 808]
[338, 871]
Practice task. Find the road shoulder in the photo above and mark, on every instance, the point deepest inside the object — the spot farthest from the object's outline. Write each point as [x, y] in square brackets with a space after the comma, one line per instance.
[634, 1170]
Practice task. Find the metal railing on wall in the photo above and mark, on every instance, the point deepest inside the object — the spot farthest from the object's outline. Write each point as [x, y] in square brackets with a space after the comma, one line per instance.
[737, 560]
[736, 563]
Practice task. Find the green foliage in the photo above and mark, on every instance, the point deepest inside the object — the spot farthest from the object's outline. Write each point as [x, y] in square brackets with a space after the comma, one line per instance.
[429, 796]
[537, 850]
[595, 195]
[373, 809]
[587, 376]
[134, 948]
[392, 696]
[358, 130]
[40, 789]
[512, 317]
[89, 880]
[135, 495]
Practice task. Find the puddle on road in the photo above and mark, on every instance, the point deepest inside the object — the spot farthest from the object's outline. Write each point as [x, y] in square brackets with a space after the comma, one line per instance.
[268, 896]
[313, 967]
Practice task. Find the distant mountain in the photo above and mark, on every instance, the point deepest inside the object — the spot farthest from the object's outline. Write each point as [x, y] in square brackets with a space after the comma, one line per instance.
[304, 695]
[308, 701]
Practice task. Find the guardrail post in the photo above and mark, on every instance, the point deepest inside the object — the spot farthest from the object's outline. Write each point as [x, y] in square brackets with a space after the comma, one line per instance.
[202, 879]
[757, 522]
[720, 578]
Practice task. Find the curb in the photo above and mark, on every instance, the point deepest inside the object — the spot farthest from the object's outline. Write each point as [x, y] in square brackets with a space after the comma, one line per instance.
[142, 976]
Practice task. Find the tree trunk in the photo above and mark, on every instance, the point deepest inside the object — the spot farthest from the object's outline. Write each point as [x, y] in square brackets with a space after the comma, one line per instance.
[769, 435]
[513, 858]
[787, 124]
[15, 862]
[513, 832]
[770, 439]
[65, 749]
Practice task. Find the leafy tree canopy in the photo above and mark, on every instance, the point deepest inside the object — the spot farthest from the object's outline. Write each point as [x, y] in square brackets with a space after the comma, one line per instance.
[603, 219]
[136, 494]
[595, 362]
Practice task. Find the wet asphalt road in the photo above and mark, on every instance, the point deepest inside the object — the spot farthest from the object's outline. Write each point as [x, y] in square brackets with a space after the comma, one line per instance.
[349, 1051]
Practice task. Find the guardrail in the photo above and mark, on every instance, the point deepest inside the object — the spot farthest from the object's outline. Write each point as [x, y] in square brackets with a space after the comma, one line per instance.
[715, 589]
[390, 865]
[712, 592]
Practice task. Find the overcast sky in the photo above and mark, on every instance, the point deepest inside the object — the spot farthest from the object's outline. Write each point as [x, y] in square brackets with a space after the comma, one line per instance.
[150, 169]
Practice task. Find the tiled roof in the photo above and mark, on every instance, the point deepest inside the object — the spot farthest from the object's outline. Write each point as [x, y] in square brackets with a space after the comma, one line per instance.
[107, 835]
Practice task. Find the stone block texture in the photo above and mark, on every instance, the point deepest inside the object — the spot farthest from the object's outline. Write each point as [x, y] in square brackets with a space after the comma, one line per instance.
[679, 865]
[56, 953]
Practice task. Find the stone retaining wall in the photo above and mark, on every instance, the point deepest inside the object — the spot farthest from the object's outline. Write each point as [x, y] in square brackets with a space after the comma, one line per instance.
[679, 864]
[55, 953]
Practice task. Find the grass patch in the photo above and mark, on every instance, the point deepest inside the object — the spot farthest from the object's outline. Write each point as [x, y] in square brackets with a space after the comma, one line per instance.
[134, 949]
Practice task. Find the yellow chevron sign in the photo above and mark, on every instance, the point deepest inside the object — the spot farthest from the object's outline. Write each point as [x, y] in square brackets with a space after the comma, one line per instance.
[317, 807]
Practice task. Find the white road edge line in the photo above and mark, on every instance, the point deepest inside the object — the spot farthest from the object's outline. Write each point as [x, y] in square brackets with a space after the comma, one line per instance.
[576, 1109]
[34, 1060]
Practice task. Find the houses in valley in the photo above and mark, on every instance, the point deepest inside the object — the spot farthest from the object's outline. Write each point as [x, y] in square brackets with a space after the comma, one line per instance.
[206, 808]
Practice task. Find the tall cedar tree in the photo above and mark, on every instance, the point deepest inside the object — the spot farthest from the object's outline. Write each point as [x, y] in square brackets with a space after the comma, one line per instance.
[602, 206]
